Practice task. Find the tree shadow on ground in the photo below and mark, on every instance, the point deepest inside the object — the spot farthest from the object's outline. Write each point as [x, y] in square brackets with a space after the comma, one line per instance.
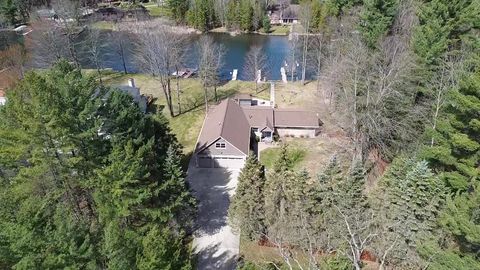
[214, 258]
[195, 103]
[210, 187]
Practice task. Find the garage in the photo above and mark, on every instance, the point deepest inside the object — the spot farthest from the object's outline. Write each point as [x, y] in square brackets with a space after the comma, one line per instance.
[229, 162]
[220, 162]
[204, 162]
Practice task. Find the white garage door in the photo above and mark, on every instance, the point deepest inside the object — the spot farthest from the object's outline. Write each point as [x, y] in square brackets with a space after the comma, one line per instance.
[228, 162]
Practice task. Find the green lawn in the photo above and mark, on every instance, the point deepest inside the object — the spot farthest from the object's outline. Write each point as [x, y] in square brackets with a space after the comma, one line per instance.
[103, 25]
[186, 125]
[296, 154]
[157, 11]
[278, 30]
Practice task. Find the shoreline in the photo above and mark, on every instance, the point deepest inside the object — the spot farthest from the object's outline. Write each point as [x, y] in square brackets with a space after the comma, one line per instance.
[238, 33]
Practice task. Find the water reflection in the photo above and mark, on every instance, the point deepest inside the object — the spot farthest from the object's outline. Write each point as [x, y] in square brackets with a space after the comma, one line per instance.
[276, 49]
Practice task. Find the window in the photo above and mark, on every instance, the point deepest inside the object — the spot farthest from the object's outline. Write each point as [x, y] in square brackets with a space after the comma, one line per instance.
[220, 145]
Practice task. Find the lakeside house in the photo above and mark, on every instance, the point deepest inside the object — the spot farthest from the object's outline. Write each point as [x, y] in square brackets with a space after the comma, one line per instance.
[279, 15]
[232, 128]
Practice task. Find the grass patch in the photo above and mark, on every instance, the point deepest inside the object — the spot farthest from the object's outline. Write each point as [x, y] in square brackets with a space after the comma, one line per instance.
[103, 25]
[295, 154]
[279, 30]
[158, 11]
[186, 125]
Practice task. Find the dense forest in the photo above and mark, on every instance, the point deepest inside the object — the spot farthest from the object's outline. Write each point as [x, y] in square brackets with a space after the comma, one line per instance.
[403, 80]
[88, 181]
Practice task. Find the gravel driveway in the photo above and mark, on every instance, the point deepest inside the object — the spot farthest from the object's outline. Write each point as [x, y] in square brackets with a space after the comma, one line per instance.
[214, 242]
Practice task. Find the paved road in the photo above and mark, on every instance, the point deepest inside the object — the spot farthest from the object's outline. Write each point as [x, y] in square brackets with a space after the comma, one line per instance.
[214, 242]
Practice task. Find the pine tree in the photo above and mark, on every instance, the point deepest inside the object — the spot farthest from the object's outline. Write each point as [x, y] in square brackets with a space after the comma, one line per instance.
[442, 26]
[411, 202]
[179, 9]
[276, 192]
[456, 148]
[376, 18]
[233, 15]
[162, 250]
[266, 24]
[83, 172]
[246, 211]
[246, 15]
[118, 255]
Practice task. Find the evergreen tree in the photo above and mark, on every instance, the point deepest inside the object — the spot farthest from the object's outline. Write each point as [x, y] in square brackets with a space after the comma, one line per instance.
[246, 15]
[179, 9]
[462, 218]
[163, 250]
[376, 18]
[266, 24]
[9, 10]
[455, 152]
[246, 209]
[442, 25]
[233, 15]
[201, 15]
[90, 173]
[411, 201]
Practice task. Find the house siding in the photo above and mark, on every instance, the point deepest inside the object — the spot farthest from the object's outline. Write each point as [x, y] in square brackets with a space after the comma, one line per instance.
[297, 132]
[229, 150]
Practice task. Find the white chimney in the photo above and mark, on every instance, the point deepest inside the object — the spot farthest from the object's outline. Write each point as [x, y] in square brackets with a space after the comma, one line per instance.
[131, 82]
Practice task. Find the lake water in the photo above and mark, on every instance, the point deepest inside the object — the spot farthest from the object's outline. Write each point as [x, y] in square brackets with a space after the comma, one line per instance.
[276, 50]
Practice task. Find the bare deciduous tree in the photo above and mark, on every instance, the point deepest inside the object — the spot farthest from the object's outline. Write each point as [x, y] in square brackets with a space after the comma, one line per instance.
[118, 39]
[95, 48]
[316, 57]
[47, 43]
[291, 59]
[255, 61]
[373, 91]
[156, 53]
[305, 18]
[442, 81]
[68, 18]
[211, 60]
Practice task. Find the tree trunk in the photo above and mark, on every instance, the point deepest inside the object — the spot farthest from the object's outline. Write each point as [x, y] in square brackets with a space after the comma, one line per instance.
[293, 64]
[167, 92]
[205, 95]
[122, 55]
[178, 94]
[435, 117]
[169, 100]
[305, 51]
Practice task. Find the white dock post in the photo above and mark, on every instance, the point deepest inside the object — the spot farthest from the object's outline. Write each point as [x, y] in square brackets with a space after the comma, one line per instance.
[234, 74]
[284, 75]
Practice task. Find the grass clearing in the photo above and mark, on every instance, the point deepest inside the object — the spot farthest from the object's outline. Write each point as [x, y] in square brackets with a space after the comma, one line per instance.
[311, 154]
[279, 30]
[296, 154]
[186, 125]
[157, 11]
[103, 25]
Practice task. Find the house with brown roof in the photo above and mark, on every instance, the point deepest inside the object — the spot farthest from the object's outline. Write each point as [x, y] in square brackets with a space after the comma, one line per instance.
[232, 127]
[279, 14]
